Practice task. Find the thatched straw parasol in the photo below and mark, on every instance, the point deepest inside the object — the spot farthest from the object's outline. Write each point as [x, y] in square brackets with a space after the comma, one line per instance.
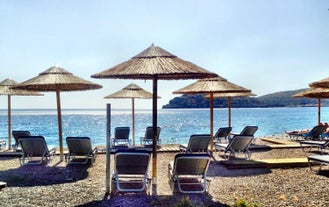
[229, 96]
[314, 93]
[154, 63]
[57, 79]
[5, 89]
[132, 91]
[211, 86]
[324, 83]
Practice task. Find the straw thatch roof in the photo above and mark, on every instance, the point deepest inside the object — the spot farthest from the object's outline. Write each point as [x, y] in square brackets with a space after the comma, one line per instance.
[56, 78]
[324, 83]
[313, 93]
[214, 85]
[131, 91]
[6, 89]
[155, 61]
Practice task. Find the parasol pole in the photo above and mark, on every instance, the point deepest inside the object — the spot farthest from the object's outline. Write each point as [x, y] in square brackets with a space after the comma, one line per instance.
[211, 121]
[9, 122]
[59, 117]
[154, 125]
[319, 111]
[133, 118]
[229, 110]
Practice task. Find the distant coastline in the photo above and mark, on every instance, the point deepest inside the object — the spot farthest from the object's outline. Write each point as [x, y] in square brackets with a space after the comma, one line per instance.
[279, 99]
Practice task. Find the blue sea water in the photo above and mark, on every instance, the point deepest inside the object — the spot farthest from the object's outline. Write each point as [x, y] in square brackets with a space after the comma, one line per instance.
[177, 124]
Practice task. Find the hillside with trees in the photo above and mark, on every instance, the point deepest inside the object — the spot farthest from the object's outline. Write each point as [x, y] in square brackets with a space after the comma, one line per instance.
[279, 99]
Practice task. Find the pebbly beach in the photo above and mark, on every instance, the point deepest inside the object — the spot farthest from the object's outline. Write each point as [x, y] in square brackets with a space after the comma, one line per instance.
[58, 184]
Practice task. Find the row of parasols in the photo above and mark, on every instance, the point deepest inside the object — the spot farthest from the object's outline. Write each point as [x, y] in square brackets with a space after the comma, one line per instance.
[154, 63]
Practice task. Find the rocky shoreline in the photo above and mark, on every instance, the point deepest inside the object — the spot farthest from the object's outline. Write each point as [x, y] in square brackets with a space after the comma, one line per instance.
[58, 184]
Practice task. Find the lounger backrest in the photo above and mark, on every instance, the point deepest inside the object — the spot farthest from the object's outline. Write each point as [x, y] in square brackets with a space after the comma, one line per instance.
[149, 133]
[316, 131]
[79, 145]
[249, 131]
[198, 142]
[19, 134]
[240, 143]
[191, 164]
[121, 133]
[34, 145]
[223, 132]
[132, 162]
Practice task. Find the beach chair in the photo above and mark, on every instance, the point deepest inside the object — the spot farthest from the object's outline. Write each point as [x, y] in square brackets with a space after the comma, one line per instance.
[148, 137]
[80, 150]
[319, 159]
[121, 136]
[237, 144]
[197, 143]
[18, 134]
[321, 145]
[35, 150]
[247, 131]
[314, 133]
[189, 172]
[131, 170]
[222, 133]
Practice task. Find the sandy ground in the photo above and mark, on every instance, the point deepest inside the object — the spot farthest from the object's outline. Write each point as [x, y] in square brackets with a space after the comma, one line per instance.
[59, 184]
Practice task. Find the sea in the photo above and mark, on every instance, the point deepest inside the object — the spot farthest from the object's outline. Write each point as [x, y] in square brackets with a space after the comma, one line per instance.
[177, 124]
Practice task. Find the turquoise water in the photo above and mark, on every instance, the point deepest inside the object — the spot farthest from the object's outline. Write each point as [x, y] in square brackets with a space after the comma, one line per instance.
[177, 124]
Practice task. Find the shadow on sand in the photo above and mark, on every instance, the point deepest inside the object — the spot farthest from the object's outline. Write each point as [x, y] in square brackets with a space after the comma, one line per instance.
[132, 199]
[43, 175]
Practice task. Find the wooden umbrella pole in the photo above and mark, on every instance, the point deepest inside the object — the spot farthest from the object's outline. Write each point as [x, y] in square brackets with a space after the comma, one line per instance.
[133, 118]
[9, 122]
[154, 125]
[211, 121]
[59, 117]
[319, 111]
[229, 110]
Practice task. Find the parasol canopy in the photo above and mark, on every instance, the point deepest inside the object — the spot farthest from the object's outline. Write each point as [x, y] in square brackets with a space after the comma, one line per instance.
[155, 63]
[132, 91]
[314, 93]
[211, 86]
[57, 79]
[324, 83]
[5, 89]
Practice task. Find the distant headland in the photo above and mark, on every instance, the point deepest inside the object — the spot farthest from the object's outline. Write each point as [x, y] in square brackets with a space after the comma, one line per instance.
[278, 99]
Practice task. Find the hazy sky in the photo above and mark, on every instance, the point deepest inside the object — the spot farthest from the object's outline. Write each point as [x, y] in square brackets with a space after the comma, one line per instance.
[266, 46]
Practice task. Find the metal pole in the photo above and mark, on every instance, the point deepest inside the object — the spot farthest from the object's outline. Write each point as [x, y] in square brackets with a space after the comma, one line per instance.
[229, 111]
[9, 122]
[108, 148]
[319, 111]
[211, 121]
[133, 118]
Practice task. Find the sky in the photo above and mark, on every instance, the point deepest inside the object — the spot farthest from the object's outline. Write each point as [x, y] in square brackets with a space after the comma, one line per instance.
[265, 46]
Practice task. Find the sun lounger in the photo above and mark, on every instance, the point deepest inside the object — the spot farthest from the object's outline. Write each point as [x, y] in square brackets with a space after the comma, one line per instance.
[320, 144]
[18, 134]
[189, 172]
[148, 137]
[34, 149]
[223, 133]
[320, 159]
[237, 144]
[80, 150]
[314, 134]
[121, 136]
[197, 143]
[131, 170]
[2, 143]
[247, 131]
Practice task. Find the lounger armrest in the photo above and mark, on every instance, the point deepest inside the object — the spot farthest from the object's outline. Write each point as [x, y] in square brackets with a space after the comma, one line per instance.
[52, 151]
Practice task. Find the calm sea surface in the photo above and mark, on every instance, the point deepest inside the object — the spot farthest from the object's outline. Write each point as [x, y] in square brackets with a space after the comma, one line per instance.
[177, 124]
